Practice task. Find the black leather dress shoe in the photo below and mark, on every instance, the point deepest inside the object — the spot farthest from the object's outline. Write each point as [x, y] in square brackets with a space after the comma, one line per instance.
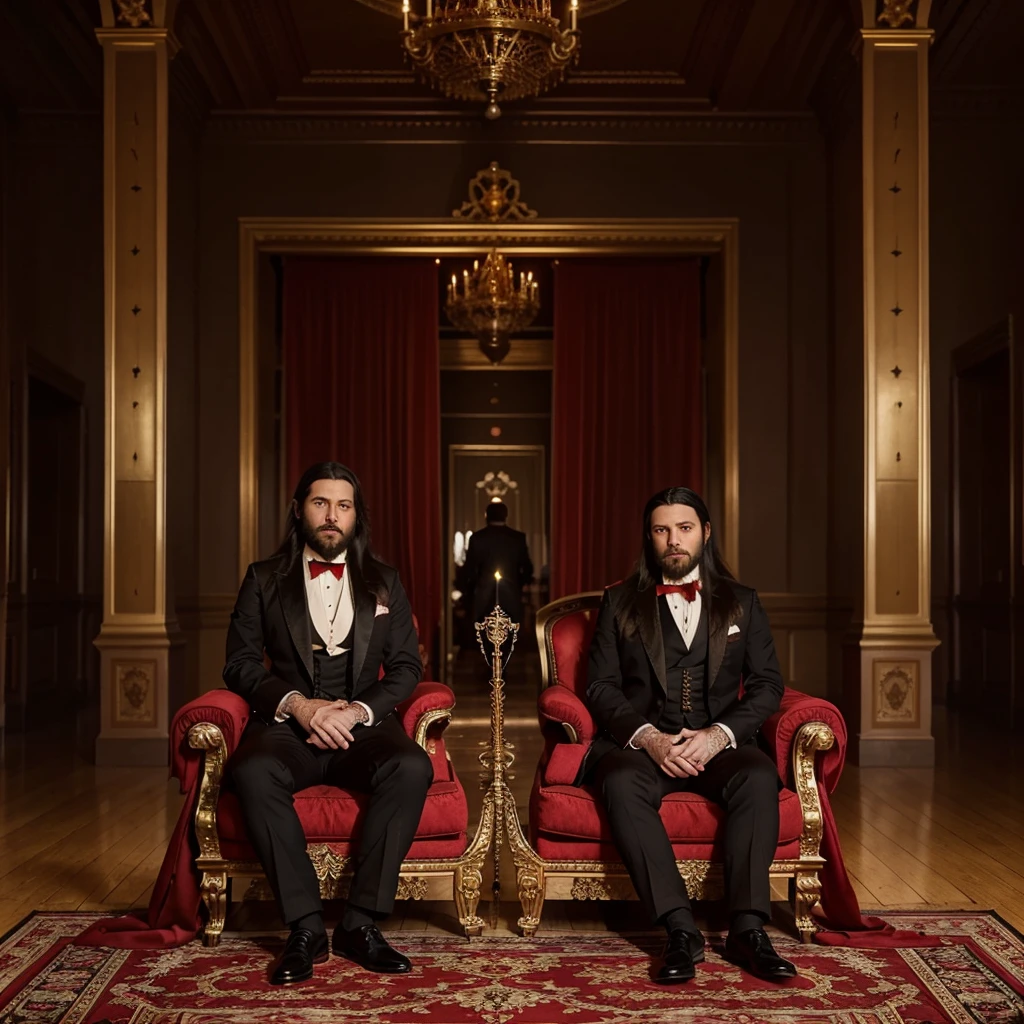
[753, 950]
[368, 948]
[682, 952]
[301, 951]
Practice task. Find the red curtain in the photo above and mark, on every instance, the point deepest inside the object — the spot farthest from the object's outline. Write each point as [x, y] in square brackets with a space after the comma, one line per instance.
[628, 415]
[362, 386]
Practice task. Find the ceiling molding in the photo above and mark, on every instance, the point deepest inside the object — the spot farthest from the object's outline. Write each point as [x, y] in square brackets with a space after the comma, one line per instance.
[611, 129]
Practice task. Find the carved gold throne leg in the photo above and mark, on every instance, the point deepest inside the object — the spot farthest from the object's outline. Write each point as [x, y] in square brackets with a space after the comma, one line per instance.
[807, 895]
[468, 881]
[530, 883]
[529, 871]
[214, 890]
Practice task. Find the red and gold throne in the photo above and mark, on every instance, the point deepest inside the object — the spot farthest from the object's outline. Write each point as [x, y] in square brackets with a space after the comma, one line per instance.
[570, 854]
[442, 864]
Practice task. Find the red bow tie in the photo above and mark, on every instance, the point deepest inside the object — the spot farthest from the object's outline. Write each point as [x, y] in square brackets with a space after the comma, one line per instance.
[688, 590]
[338, 568]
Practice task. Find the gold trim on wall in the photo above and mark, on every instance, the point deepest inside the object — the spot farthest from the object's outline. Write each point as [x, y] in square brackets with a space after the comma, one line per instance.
[595, 237]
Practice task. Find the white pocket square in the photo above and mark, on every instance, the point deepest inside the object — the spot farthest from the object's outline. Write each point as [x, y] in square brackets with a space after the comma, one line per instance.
[733, 629]
[382, 609]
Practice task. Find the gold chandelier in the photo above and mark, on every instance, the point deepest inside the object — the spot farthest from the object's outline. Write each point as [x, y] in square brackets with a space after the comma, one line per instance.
[490, 306]
[490, 49]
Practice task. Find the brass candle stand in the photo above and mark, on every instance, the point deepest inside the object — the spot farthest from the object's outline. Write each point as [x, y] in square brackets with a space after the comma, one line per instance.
[499, 819]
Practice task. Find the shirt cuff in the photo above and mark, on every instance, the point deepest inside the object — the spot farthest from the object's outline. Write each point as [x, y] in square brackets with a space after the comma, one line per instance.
[643, 728]
[281, 715]
[369, 712]
[729, 734]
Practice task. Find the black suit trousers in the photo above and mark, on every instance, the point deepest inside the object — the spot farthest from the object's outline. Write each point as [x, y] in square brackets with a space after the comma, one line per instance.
[744, 782]
[274, 761]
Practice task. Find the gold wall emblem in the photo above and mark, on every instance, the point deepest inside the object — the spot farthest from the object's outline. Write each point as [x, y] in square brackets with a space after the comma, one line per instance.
[896, 694]
[494, 197]
[135, 689]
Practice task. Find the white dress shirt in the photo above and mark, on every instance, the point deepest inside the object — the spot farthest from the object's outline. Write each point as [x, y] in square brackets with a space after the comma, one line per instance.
[331, 609]
[686, 615]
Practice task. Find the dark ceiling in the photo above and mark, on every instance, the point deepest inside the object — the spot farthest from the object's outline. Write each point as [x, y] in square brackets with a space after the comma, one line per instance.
[333, 56]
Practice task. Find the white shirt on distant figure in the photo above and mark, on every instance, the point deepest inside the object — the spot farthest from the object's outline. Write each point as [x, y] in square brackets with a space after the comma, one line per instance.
[331, 608]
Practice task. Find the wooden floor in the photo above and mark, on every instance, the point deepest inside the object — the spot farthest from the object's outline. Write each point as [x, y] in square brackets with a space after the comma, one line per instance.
[73, 836]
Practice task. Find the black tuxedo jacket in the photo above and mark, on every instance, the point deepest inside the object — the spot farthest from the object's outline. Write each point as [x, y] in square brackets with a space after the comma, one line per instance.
[626, 674]
[271, 618]
[496, 548]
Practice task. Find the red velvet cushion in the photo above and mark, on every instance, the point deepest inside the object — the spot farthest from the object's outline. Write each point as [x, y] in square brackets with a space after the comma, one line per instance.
[570, 638]
[574, 812]
[563, 764]
[331, 815]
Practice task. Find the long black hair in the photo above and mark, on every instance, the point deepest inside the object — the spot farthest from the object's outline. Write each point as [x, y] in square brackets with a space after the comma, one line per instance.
[714, 573]
[360, 555]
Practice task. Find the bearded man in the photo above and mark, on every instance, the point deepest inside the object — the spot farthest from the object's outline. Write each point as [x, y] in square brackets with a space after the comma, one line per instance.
[311, 631]
[672, 643]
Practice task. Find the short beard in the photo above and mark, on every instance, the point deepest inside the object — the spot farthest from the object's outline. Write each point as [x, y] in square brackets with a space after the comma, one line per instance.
[678, 570]
[327, 546]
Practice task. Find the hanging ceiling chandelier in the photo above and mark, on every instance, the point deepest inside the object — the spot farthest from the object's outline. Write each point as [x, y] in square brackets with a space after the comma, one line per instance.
[490, 306]
[490, 49]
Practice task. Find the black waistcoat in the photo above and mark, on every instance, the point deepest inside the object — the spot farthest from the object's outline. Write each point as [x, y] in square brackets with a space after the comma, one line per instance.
[684, 703]
[332, 675]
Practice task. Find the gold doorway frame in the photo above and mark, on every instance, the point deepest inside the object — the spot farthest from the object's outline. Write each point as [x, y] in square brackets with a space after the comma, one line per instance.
[380, 237]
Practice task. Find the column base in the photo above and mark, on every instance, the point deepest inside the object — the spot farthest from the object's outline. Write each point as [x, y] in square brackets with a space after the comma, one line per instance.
[894, 714]
[141, 670]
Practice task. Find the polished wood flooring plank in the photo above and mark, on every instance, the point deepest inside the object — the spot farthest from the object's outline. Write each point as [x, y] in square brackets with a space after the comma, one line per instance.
[893, 848]
[61, 840]
[987, 876]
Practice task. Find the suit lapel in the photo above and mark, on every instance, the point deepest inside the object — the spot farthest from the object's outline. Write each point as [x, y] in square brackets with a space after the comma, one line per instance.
[650, 633]
[292, 591]
[718, 637]
[365, 609]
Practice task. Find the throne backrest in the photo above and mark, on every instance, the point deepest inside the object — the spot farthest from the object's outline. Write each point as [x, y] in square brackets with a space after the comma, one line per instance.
[564, 631]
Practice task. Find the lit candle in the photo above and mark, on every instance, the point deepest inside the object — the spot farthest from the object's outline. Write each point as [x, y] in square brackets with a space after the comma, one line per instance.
[405, 14]
[497, 580]
[574, 7]
[430, 8]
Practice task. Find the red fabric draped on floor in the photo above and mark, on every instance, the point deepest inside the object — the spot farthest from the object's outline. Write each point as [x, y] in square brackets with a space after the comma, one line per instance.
[362, 386]
[628, 413]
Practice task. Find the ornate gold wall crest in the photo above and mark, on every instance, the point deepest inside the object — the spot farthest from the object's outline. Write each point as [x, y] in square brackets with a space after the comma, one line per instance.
[494, 196]
[134, 684]
[895, 699]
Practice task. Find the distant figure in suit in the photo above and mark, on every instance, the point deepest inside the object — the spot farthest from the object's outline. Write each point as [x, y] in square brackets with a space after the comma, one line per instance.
[496, 548]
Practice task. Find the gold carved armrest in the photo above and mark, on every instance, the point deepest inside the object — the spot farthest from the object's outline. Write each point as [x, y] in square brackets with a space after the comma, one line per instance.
[425, 724]
[208, 738]
[811, 738]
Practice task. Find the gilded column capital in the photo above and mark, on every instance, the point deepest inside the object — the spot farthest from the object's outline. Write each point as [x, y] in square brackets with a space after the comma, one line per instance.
[138, 14]
[896, 14]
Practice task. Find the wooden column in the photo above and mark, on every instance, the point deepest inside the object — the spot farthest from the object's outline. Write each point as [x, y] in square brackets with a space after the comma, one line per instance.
[897, 639]
[139, 642]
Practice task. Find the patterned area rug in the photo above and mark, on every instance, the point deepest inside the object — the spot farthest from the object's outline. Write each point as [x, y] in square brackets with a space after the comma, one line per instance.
[974, 976]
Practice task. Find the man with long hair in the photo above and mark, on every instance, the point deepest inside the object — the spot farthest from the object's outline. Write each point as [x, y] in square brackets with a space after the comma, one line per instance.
[312, 628]
[672, 643]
